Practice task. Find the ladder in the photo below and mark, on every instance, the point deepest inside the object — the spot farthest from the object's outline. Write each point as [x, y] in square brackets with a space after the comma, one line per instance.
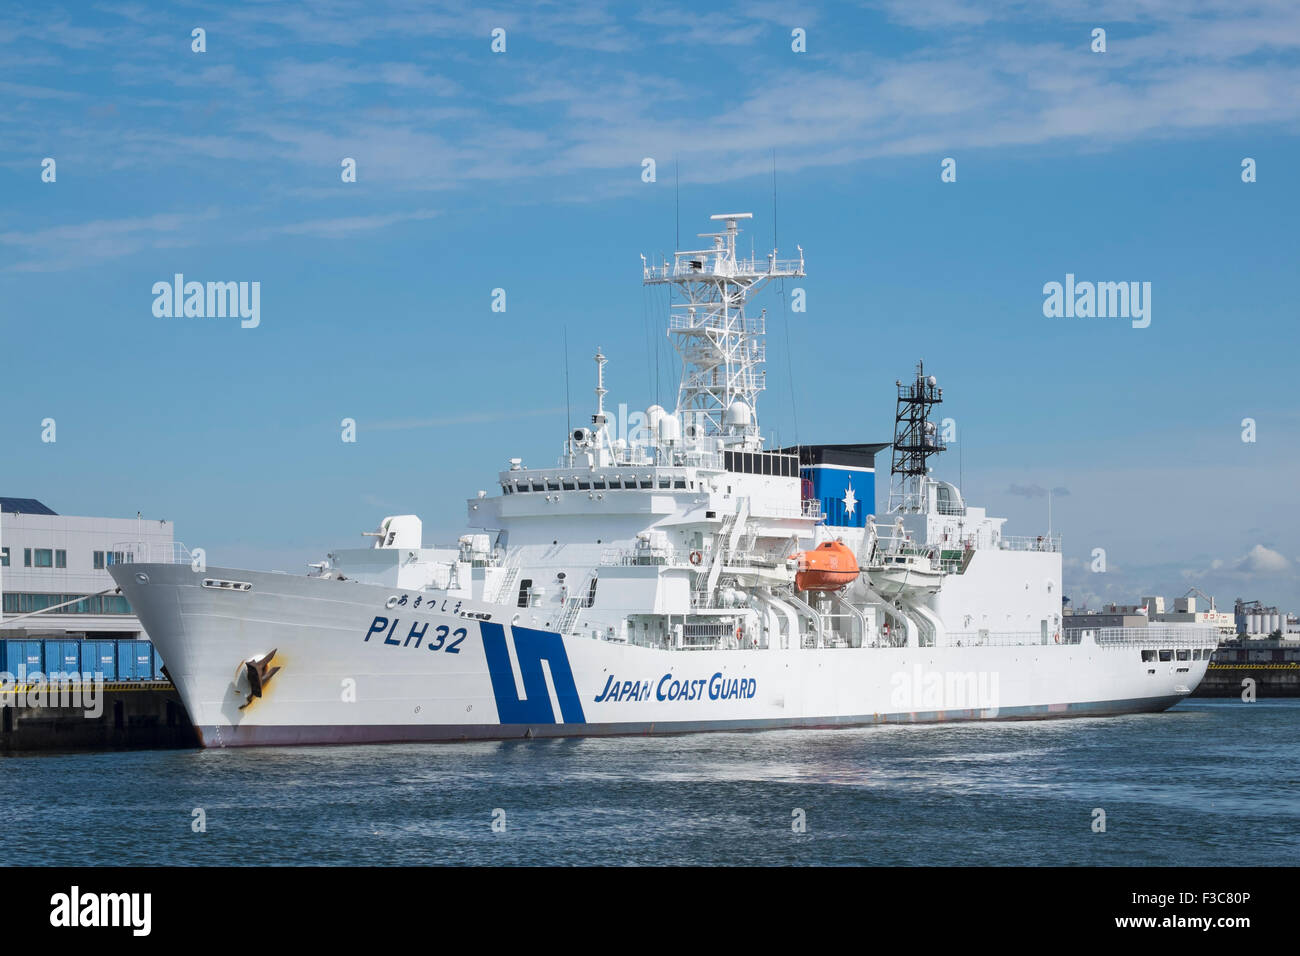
[507, 583]
[573, 606]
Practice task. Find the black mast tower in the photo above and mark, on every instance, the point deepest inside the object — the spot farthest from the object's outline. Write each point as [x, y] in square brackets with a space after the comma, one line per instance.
[915, 440]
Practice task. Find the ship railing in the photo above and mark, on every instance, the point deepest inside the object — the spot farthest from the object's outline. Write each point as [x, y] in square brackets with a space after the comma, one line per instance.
[1153, 635]
[652, 454]
[629, 557]
[985, 638]
[702, 599]
[1042, 542]
[711, 636]
[710, 265]
[769, 558]
[718, 322]
[700, 458]
[808, 508]
[149, 552]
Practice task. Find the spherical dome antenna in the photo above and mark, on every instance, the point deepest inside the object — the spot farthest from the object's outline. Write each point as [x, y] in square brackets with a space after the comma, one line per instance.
[738, 415]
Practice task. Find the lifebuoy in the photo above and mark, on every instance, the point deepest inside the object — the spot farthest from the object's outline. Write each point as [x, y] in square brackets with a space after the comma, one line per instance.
[696, 558]
[1057, 636]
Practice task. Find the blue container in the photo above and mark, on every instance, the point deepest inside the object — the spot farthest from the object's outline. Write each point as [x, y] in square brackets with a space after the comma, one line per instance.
[125, 660]
[22, 658]
[61, 657]
[143, 652]
[71, 657]
[99, 658]
[108, 659]
[52, 660]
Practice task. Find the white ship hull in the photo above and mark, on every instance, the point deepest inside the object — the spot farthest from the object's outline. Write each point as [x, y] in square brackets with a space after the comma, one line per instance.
[353, 670]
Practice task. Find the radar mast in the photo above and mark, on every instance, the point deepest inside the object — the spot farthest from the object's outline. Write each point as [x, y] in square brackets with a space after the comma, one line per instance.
[722, 349]
[915, 440]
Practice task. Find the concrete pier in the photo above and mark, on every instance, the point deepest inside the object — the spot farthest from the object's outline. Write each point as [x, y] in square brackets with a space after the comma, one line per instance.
[112, 716]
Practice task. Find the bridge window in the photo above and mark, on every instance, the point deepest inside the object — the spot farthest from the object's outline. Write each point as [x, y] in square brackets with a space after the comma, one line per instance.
[1166, 655]
[1148, 655]
[584, 484]
[1184, 655]
[568, 485]
[599, 483]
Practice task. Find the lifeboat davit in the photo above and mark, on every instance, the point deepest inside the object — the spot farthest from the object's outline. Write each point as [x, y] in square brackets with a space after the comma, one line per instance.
[827, 567]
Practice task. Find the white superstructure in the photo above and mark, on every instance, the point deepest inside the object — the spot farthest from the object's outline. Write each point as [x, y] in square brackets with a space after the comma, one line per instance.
[667, 574]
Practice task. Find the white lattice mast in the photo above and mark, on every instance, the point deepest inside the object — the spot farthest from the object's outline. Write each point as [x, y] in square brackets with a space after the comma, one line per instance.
[722, 349]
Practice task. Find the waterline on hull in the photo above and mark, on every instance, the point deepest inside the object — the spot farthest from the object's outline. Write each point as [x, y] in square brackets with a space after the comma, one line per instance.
[306, 735]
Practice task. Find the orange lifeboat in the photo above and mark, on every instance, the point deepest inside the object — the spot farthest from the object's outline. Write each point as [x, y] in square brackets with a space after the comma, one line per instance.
[827, 567]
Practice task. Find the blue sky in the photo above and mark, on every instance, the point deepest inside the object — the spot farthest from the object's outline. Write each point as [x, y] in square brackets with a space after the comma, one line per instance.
[523, 171]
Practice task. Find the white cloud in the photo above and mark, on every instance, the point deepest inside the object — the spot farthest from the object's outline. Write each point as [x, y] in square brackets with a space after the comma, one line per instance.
[61, 247]
[1259, 560]
[1262, 560]
[342, 227]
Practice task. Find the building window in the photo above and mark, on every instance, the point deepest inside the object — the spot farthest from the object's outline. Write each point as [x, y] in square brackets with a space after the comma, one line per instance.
[44, 558]
[60, 559]
[24, 603]
[27, 557]
[4, 557]
[99, 560]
